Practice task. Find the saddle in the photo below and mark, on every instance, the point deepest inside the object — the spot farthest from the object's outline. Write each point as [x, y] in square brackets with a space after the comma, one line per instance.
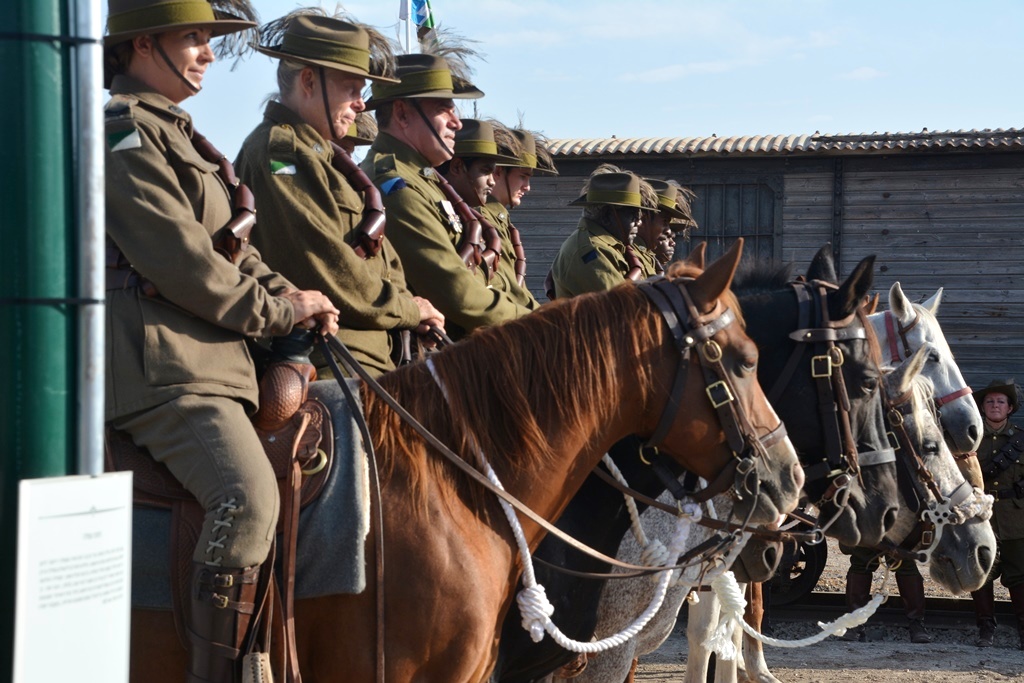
[298, 437]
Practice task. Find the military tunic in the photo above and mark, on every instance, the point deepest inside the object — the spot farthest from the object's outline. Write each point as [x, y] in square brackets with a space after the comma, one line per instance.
[424, 229]
[505, 279]
[308, 213]
[590, 260]
[1008, 510]
[648, 261]
[179, 375]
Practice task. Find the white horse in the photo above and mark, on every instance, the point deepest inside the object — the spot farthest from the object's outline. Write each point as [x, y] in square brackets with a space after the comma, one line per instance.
[961, 542]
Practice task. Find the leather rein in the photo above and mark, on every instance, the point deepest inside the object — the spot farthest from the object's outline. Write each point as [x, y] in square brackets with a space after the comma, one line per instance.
[720, 393]
[816, 331]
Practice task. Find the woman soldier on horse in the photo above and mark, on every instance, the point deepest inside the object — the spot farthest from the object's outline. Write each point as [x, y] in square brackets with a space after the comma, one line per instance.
[180, 380]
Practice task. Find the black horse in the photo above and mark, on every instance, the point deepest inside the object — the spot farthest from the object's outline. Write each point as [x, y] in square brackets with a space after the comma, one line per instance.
[597, 514]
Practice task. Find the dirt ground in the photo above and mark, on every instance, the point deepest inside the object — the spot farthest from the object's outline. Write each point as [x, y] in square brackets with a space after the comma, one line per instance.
[890, 656]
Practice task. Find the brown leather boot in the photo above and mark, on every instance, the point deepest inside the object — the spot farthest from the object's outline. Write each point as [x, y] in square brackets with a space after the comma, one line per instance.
[985, 614]
[911, 588]
[858, 593]
[221, 608]
[1017, 602]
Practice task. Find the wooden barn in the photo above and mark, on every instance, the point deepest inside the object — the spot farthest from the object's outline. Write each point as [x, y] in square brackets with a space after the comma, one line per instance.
[936, 208]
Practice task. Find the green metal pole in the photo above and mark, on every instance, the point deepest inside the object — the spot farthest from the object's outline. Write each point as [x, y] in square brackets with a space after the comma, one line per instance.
[36, 338]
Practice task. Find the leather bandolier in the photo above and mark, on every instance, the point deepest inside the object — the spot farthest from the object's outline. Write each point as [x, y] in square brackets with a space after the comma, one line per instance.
[520, 252]
[231, 241]
[1007, 456]
[370, 230]
[475, 229]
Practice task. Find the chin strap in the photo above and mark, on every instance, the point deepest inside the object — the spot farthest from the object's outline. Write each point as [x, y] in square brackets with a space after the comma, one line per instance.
[170, 65]
[327, 106]
[430, 127]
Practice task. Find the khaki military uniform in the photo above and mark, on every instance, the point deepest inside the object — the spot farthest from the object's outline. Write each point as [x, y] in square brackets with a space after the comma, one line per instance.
[308, 213]
[648, 261]
[179, 376]
[590, 260]
[424, 228]
[1008, 510]
[505, 279]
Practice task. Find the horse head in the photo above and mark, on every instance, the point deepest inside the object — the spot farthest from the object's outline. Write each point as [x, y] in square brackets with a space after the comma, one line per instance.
[820, 361]
[716, 369]
[903, 329]
[939, 497]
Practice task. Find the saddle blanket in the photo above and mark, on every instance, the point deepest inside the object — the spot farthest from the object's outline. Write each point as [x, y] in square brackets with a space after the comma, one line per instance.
[332, 529]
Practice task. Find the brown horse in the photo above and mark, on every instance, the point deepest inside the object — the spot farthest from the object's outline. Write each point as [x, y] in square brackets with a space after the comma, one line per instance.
[544, 398]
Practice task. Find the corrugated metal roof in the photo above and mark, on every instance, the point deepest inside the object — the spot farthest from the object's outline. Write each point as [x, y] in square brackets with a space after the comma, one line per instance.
[768, 145]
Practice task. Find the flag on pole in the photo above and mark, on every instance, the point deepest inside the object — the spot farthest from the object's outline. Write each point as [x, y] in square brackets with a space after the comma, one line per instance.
[424, 17]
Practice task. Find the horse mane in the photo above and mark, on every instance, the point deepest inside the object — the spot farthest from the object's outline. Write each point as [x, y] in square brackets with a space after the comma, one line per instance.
[922, 403]
[514, 388]
[762, 275]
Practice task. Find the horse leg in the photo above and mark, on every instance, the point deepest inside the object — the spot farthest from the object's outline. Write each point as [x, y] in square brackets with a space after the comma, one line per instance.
[753, 650]
[156, 652]
[701, 622]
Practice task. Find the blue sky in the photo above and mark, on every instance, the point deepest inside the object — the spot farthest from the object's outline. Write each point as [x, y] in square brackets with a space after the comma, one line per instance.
[676, 68]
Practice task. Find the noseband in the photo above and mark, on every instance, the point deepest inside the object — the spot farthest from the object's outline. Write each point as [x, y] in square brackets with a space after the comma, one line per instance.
[893, 329]
[919, 488]
[818, 331]
[689, 329]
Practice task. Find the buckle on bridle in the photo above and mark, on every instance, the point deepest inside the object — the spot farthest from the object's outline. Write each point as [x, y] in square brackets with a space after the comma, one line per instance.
[720, 389]
[894, 442]
[711, 351]
[821, 366]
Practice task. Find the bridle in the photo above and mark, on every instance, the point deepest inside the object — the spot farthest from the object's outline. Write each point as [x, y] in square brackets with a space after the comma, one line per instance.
[689, 329]
[894, 329]
[919, 488]
[816, 331]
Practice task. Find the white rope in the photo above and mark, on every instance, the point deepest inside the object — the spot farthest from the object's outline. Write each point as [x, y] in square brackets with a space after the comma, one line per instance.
[734, 604]
[532, 600]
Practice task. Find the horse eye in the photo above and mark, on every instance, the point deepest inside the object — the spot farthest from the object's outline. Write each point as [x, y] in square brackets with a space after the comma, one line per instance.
[931, 447]
[933, 357]
[870, 384]
[749, 365]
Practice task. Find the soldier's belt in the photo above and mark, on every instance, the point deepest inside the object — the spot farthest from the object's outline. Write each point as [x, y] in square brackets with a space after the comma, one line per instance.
[1015, 491]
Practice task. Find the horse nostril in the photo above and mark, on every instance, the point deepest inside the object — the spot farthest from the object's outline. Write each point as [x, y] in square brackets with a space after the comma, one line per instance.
[985, 558]
[797, 474]
[889, 520]
[972, 433]
[771, 557]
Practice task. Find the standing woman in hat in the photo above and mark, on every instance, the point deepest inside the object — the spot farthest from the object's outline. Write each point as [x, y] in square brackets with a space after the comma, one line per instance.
[599, 254]
[180, 380]
[1001, 456]
[300, 181]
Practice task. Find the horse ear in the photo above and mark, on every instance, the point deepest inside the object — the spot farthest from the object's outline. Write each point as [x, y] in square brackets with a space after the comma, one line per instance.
[900, 305]
[822, 266]
[871, 305]
[696, 257]
[716, 278]
[850, 294]
[932, 302]
[904, 375]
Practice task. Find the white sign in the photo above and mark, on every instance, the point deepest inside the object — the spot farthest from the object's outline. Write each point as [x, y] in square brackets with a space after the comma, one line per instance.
[73, 605]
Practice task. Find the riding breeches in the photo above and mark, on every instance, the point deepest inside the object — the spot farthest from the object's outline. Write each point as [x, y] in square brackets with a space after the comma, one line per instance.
[209, 444]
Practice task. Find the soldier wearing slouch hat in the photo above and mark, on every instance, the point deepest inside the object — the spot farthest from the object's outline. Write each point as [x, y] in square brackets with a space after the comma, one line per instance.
[306, 190]
[180, 380]
[418, 123]
[599, 254]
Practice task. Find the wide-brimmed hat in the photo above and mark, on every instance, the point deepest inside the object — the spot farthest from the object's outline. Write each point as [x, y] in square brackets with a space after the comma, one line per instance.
[476, 139]
[1006, 387]
[327, 42]
[362, 131]
[615, 189]
[422, 76]
[532, 156]
[127, 19]
[668, 199]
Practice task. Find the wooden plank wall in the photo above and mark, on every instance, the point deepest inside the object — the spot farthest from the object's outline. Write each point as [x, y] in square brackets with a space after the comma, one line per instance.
[959, 229]
[941, 220]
